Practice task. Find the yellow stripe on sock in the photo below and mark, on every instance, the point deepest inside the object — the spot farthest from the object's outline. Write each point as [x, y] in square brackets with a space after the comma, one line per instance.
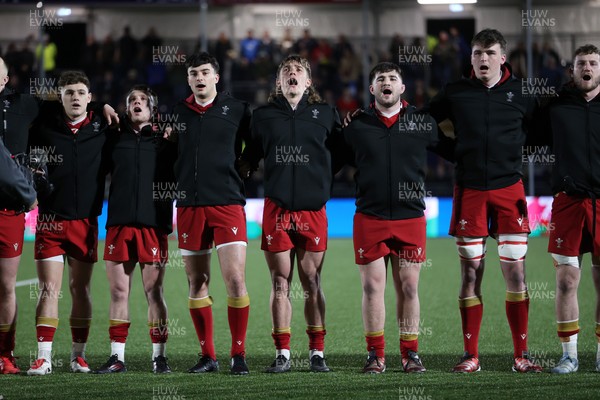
[315, 328]
[407, 337]
[200, 303]
[373, 334]
[75, 322]
[5, 328]
[47, 321]
[238, 302]
[115, 322]
[469, 301]
[569, 326]
[516, 296]
[277, 331]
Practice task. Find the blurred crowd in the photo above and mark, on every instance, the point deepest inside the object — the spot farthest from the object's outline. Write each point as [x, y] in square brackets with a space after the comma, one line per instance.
[248, 68]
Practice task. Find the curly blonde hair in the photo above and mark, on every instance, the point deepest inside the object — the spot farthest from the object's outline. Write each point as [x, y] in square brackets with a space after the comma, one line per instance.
[313, 96]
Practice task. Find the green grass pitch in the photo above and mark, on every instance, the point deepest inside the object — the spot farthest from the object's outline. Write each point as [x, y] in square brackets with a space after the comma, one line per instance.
[440, 339]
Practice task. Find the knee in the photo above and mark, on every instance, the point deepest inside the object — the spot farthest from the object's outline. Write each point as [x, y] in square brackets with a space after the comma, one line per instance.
[566, 285]
[410, 290]
[119, 294]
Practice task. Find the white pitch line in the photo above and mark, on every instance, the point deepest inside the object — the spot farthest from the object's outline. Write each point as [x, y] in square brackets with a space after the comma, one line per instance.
[26, 282]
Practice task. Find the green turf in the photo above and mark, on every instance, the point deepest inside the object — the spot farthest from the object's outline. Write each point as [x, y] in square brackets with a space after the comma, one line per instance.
[440, 340]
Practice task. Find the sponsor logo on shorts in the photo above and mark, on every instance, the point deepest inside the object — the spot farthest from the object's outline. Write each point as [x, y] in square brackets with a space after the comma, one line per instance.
[360, 253]
[16, 246]
[154, 251]
[184, 236]
[558, 241]
[317, 240]
[269, 238]
[462, 223]
[234, 230]
[111, 248]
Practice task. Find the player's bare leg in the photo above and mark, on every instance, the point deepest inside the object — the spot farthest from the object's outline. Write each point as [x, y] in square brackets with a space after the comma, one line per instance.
[120, 279]
[50, 274]
[197, 268]
[232, 258]
[310, 265]
[408, 311]
[281, 267]
[472, 265]
[8, 313]
[373, 277]
[152, 279]
[596, 278]
[80, 276]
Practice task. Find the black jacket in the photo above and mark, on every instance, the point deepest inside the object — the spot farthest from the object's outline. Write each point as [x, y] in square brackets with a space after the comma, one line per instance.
[574, 124]
[142, 187]
[18, 113]
[391, 162]
[77, 164]
[209, 146]
[490, 125]
[16, 189]
[297, 149]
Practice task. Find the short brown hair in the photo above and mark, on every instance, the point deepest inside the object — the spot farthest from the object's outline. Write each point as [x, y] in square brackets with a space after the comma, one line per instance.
[72, 78]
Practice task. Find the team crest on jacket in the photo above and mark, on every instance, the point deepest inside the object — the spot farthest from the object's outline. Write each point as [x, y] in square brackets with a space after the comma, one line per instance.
[6, 104]
[509, 97]
[96, 126]
[225, 109]
[315, 113]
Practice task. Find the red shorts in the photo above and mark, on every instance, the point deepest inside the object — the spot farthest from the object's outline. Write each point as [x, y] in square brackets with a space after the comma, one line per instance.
[142, 244]
[283, 229]
[199, 227]
[76, 238]
[12, 229]
[571, 233]
[479, 213]
[375, 238]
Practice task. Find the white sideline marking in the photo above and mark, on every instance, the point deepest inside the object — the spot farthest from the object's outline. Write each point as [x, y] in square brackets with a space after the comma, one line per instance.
[26, 282]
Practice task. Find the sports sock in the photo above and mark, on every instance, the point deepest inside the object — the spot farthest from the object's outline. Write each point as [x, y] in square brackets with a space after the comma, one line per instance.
[408, 342]
[118, 331]
[281, 339]
[238, 309]
[159, 334]
[80, 329]
[471, 313]
[517, 313]
[45, 328]
[316, 340]
[202, 317]
[567, 334]
[375, 343]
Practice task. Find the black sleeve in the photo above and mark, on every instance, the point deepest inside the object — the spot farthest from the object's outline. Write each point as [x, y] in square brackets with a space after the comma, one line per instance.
[243, 135]
[438, 107]
[16, 187]
[539, 128]
[253, 152]
[336, 144]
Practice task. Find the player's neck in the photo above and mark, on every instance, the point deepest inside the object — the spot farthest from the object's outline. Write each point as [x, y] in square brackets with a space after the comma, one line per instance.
[389, 111]
[205, 100]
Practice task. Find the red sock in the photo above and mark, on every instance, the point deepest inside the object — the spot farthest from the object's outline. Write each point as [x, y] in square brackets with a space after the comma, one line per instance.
[118, 331]
[282, 339]
[80, 329]
[159, 334]
[471, 312]
[376, 344]
[7, 343]
[408, 345]
[517, 313]
[316, 338]
[238, 325]
[203, 322]
[45, 333]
